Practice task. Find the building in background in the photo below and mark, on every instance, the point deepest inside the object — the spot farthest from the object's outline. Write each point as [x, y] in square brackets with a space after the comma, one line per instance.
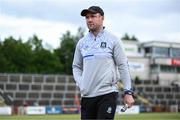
[157, 61]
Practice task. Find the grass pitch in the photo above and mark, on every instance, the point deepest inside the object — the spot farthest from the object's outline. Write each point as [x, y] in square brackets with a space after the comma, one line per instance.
[142, 116]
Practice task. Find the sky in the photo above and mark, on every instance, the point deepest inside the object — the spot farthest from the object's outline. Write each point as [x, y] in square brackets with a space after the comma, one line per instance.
[148, 20]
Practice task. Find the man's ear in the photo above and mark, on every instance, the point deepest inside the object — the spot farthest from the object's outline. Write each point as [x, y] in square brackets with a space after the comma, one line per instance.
[102, 17]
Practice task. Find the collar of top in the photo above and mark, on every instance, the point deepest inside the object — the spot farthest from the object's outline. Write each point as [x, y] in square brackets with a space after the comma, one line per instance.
[98, 35]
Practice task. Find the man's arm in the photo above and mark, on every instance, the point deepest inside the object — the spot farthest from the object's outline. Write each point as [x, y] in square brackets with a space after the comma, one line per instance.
[77, 65]
[121, 61]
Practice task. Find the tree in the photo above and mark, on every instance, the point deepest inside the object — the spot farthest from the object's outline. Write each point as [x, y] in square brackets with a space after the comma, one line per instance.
[35, 43]
[128, 38]
[80, 34]
[31, 57]
[125, 37]
[28, 57]
[16, 55]
[43, 61]
[133, 38]
[65, 51]
[3, 60]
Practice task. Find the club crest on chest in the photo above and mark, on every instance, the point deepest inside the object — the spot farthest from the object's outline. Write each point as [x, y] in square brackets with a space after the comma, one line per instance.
[103, 45]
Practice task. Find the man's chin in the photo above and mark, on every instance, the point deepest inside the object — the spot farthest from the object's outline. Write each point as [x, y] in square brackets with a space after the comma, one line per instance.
[92, 29]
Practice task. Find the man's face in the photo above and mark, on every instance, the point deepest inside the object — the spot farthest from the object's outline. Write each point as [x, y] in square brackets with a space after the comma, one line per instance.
[94, 21]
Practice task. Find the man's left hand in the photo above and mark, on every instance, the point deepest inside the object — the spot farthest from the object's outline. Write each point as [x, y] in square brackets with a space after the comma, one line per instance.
[129, 100]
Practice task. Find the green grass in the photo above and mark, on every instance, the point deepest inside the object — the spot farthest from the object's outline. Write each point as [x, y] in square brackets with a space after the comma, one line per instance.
[142, 116]
[150, 116]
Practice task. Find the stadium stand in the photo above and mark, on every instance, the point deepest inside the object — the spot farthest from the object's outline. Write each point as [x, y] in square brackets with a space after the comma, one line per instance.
[36, 89]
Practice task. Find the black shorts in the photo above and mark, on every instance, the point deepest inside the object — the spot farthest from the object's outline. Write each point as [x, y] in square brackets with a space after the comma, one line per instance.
[100, 107]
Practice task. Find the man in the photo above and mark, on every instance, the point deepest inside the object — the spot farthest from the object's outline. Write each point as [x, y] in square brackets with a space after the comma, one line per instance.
[98, 57]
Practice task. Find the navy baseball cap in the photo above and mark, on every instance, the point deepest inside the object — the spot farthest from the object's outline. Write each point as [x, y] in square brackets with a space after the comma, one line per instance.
[92, 9]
